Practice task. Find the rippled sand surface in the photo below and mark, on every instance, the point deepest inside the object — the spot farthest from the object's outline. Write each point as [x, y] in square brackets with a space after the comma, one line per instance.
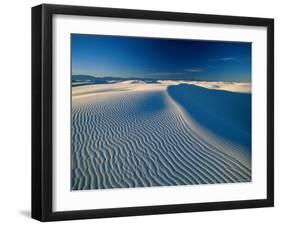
[140, 135]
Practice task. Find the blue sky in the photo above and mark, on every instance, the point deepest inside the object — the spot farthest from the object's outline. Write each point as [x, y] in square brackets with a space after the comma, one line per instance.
[120, 56]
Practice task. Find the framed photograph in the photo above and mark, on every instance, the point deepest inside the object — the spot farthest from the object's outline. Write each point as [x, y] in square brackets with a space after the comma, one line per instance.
[145, 112]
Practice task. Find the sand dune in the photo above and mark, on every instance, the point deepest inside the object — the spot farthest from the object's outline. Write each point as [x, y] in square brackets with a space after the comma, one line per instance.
[227, 114]
[240, 87]
[141, 135]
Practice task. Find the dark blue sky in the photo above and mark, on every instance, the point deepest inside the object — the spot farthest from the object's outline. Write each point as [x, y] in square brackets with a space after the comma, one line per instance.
[119, 56]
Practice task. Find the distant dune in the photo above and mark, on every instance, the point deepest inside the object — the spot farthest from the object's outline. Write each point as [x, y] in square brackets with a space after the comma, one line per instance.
[135, 134]
[83, 80]
[240, 87]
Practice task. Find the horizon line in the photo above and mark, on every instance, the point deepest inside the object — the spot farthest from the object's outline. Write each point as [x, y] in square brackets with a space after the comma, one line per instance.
[142, 78]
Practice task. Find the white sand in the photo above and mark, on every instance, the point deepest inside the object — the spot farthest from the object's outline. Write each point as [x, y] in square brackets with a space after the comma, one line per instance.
[132, 134]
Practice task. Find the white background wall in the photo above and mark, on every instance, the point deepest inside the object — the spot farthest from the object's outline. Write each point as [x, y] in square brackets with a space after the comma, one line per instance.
[15, 93]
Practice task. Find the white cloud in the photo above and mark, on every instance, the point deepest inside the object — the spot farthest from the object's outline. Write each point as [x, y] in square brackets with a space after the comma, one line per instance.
[223, 59]
[163, 73]
[194, 70]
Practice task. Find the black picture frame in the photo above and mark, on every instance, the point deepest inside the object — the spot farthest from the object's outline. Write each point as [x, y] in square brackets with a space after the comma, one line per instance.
[42, 107]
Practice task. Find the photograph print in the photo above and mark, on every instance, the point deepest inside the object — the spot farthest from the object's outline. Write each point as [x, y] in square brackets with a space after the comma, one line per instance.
[150, 112]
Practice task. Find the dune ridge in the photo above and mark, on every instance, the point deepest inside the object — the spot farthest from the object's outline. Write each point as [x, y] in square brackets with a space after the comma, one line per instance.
[142, 137]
